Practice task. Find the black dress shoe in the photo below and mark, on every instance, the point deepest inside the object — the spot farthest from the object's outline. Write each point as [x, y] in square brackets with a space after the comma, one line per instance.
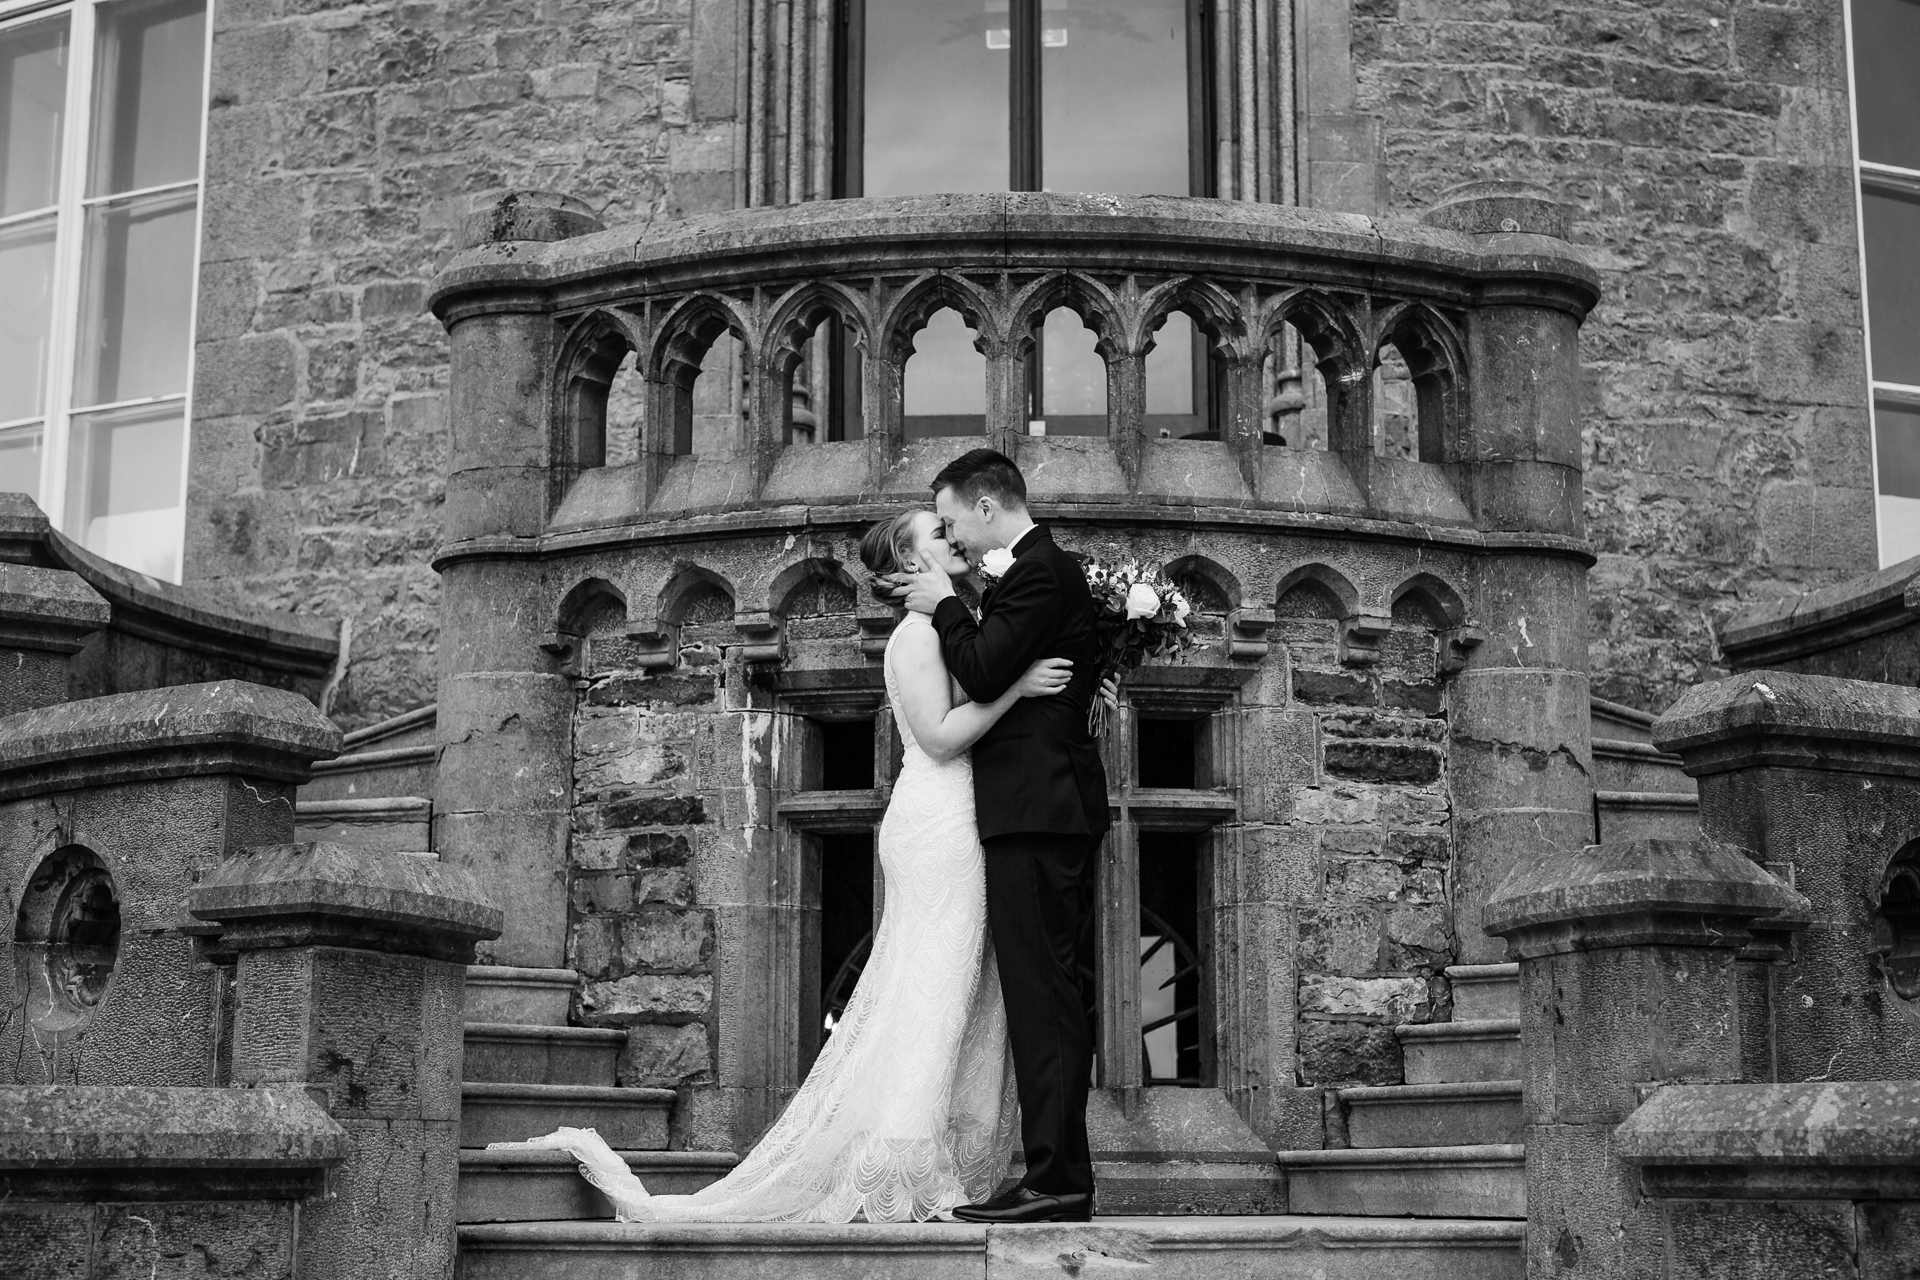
[1024, 1205]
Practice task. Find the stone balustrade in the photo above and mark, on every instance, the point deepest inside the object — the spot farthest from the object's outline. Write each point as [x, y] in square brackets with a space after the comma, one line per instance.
[1483, 302]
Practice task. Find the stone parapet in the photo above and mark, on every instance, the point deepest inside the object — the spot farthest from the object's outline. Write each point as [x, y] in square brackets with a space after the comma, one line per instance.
[1819, 777]
[228, 727]
[1866, 628]
[160, 634]
[129, 1180]
[1801, 1179]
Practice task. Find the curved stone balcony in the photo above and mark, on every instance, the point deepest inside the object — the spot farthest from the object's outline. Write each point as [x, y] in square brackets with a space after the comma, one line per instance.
[1482, 301]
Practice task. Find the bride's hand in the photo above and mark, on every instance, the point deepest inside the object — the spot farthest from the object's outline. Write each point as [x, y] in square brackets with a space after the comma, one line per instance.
[1044, 678]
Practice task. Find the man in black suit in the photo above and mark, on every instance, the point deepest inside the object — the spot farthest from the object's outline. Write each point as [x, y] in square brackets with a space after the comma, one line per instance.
[1041, 796]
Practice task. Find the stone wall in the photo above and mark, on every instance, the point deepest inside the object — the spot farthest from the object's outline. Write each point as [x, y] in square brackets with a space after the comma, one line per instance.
[1706, 147]
[343, 145]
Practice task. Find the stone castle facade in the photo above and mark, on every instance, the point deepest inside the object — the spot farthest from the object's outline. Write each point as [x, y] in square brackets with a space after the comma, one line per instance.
[1529, 351]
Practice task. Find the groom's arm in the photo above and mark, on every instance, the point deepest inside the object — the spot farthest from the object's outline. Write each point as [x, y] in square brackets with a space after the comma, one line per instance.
[988, 656]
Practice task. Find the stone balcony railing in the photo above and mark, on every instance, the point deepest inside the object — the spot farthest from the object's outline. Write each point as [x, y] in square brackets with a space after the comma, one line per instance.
[1483, 301]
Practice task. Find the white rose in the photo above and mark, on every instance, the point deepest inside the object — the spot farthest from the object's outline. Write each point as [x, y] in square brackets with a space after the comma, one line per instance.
[996, 562]
[1181, 609]
[1141, 601]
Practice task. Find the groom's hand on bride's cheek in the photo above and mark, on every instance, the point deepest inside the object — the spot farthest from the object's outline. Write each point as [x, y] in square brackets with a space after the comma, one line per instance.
[921, 591]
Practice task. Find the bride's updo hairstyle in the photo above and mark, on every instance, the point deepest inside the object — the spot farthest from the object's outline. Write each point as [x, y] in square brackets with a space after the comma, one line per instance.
[886, 548]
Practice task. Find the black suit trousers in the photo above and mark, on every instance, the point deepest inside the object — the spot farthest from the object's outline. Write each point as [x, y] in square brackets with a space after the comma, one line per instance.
[1040, 908]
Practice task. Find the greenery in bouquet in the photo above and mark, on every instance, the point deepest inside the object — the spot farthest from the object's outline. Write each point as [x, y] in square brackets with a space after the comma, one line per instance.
[1141, 614]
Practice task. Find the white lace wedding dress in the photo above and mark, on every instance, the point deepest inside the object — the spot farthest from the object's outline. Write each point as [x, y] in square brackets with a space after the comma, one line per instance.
[910, 1108]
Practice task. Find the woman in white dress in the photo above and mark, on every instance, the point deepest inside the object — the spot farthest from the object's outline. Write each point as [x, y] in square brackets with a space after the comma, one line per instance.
[909, 1110]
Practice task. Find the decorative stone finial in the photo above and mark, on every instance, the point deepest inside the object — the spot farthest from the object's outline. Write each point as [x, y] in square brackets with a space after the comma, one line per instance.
[1486, 208]
[526, 215]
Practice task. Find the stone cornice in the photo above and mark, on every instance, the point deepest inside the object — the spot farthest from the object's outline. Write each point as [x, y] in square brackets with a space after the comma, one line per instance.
[1132, 511]
[1786, 720]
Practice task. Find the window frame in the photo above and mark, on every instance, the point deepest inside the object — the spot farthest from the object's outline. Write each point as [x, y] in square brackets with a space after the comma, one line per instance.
[70, 211]
[1024, 90]
[1868, 173]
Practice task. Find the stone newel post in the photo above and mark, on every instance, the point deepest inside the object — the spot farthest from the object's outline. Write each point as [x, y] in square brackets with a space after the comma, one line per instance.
[45, 616]
[1627, 980]
[350, 974]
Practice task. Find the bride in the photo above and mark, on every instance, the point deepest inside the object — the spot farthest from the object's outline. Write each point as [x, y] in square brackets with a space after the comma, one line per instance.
[909, 1110]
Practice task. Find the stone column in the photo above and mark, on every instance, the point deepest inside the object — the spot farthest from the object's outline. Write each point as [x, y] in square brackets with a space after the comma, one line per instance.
[45, 616]
[1820, 778]
[505, 709]
[1520, 757]
[1627, 980]
[350, 972]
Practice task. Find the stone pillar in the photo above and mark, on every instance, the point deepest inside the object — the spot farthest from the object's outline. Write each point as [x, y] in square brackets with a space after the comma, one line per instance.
[350, 970]
[505, 708]
[45, 616]
[1521, 760]
[1627, 980]
[110, 810]
[1820, 778]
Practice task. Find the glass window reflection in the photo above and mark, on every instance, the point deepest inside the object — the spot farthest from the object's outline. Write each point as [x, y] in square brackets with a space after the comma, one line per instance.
[33, 96]
[936, 97]
[146, 103]
[1113, 76]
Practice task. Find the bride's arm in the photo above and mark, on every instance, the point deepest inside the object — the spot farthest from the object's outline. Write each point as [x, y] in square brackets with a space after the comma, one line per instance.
[942, 729]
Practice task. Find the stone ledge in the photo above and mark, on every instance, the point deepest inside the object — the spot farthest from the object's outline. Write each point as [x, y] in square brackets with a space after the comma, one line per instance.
[1688, 892]
[1784, 719]
[324, 894]
[70, 1127]
[228, 727]
[1837, 1123]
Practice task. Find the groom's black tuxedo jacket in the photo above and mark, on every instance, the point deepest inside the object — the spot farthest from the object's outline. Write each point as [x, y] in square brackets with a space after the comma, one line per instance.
[1038, 769]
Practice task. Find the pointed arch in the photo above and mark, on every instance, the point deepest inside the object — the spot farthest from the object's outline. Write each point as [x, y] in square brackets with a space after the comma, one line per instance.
[680, 346]
[589, 357]
[915, 305]
[1439, 602]
[1326, 583]
[1086, 297]
[1214, 578]
[1435, 354]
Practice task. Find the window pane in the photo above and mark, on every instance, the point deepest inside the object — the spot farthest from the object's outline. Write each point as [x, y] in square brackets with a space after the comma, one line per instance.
[1073, 390]
[136, 300]
[1113, 76]
[123, 494]
[1886, 76]
[936, 97]
[26, 299]
[945, 384]
[1893, 281]
[146, 95]
[1170, 368]
[1896, 434]
[33, 95]
[20, 461]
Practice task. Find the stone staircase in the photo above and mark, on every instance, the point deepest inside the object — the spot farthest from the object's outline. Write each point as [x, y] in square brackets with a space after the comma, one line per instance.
[1447, 1143]
[1639, 792]
[377, 794]
[526, 1072]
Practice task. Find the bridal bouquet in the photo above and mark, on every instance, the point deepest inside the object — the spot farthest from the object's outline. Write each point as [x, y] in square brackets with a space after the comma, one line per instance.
[1140, 614]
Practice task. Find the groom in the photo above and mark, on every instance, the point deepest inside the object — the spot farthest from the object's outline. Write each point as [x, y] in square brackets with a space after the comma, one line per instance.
[1041, 796]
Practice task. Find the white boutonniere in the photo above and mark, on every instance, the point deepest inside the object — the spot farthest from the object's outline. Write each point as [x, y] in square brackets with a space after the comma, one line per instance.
[996, 562]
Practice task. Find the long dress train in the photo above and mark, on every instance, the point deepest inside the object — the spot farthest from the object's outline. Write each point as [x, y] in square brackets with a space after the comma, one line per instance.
[910, 1109]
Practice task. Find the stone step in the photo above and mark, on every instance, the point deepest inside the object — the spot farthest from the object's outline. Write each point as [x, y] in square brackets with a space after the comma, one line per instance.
[529, 997]
[1416, 1182]
[1638, 766]
[1459, 1051]
[1434, 1115]
[1619, 723]
[628, 1119]
[1485, 990]
[546, 1186]
[393, 824]
[1647, 815]
[510, 1052]
[1276, 1247]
